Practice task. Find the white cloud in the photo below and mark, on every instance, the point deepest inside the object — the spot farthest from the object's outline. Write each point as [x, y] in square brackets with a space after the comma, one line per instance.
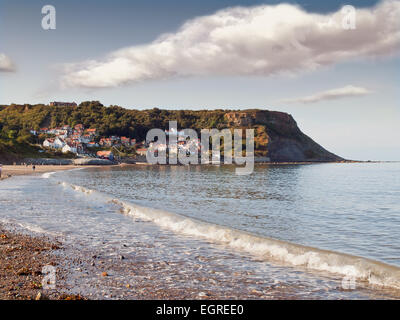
[6, 65]
[262, 40]
[339, 93]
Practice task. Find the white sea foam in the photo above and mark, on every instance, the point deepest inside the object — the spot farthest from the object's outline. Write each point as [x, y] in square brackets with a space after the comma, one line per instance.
[31, 228]
[77, 188]
[374, 272]
[47, 175]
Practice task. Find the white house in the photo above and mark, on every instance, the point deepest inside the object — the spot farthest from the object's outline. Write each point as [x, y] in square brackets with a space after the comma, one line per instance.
[56, 143]
[48, 143]
[59, 143]
[69, 148]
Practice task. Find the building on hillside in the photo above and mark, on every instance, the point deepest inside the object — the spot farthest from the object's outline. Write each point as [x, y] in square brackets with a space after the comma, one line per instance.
[74, 147]
[154, 146]
[59, 143]
[92, 145]
[116, 141]
[106, 142]
[85, 138]
[141, 144]
[62, 104]
[125, 141]
[79, 128]
[105, 155]
[141, 151]
[91, 132]
[51, 131]
[48, 143]
[69, 148]
[62, 133]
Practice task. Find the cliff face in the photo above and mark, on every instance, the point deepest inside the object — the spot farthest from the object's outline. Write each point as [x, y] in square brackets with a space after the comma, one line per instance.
[282, 137]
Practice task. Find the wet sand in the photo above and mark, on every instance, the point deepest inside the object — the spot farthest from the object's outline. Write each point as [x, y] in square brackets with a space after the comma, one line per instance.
[9, 171]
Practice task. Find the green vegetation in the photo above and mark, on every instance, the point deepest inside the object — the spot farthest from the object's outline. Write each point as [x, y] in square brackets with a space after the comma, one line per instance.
[16, 149]
[113, 120]
[16, 121]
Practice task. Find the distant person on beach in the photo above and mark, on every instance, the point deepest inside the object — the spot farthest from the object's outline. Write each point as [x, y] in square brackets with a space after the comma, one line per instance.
[33, 167]
[1, 168]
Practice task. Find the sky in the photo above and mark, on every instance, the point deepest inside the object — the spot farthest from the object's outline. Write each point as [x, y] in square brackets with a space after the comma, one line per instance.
[340, 85]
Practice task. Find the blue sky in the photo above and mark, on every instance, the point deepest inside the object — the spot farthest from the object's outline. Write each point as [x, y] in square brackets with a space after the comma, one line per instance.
[363, 126]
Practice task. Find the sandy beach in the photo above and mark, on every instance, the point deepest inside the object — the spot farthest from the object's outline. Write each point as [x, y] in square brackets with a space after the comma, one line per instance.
[10, 170]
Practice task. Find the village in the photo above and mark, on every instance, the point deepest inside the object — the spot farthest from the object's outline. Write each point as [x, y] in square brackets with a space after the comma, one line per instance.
[86, 142]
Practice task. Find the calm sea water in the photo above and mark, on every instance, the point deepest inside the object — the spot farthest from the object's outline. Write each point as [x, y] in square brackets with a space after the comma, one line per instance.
[349, 209]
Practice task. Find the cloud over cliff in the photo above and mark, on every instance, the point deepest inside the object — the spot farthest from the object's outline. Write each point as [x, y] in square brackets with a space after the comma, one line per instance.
[263, 40]
[6, 65]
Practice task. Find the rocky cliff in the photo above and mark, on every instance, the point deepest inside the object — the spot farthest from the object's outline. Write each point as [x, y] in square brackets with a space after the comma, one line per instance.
[279, 134]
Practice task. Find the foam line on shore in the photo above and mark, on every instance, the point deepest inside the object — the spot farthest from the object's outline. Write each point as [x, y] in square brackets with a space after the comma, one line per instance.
[269, 249]
[30, 228]
[47, 175]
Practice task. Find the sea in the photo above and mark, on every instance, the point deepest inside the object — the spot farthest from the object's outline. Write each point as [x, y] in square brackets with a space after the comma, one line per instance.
[314, 231]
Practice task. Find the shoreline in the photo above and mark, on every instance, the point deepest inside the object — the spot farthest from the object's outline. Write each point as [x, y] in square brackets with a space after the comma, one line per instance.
[84, 274]
[9, 171]
[101, 271]
[21, 170]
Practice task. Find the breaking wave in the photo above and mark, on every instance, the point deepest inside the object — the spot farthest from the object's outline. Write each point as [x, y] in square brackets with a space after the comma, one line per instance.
[269, 249]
